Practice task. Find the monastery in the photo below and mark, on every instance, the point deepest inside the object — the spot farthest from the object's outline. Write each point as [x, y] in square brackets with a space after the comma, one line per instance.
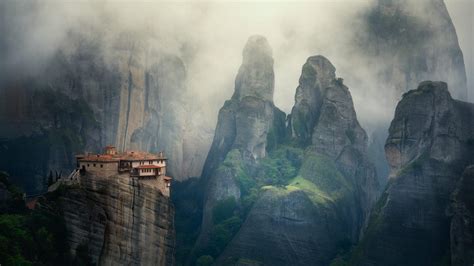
[142, 166]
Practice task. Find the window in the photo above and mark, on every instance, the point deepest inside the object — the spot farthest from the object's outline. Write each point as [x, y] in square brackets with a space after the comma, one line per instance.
[94, 165]
[87, 165]
[150, 162]
[101, 166]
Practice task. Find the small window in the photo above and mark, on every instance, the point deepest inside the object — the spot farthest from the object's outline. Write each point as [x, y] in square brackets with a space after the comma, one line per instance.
[87, 165]
[94, 165]
[101, 166]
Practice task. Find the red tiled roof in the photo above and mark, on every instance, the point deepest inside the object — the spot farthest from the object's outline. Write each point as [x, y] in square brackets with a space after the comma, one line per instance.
[149, 167]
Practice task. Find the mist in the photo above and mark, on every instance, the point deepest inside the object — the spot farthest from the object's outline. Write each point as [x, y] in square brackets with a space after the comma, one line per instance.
[209, 37]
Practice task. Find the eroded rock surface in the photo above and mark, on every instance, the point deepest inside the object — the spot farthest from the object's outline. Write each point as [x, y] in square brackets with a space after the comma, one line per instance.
[428, 148]
[462, 220]
[243, 126]
[119, 220]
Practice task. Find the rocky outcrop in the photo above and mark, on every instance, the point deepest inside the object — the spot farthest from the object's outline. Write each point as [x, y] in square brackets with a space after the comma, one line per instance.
[429, 146]
[244, 125]
[412, 41]
[334, 129]
[316, 185]
[118, 220]
[317, 75]
[51, 128]
[286, 195]
[285, 228]
[245, 120]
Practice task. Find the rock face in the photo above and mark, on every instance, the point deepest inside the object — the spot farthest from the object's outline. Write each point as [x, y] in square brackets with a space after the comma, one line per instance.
[50, 127]
[322, 209]
[96, 92]
[302, 191]
[285, 228]
[335, 132]
[462, 222]
[412, 41]
[244, 124]
[118, 220]
[317, 75]
[245, 120]
[429, 146]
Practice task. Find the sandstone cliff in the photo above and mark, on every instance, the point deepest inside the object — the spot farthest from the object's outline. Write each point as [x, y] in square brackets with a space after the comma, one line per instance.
[118, 220]
[428, 148]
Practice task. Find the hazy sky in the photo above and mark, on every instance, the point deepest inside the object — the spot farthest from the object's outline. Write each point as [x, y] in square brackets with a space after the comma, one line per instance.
[462, 14]
[210, 36]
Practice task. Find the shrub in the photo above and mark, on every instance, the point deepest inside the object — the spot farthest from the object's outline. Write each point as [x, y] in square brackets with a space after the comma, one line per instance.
[224, 209]
[205, 260]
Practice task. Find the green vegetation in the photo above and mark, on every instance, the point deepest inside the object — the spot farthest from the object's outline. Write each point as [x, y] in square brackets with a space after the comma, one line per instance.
[235, 164]
[34, 238]
[205, 260]
[224, 210]
[281, 165]
[285, 169]
[15, 201]
[245, 261]
[323, 173]
[222, 233]
[317, 196]
[30, 237]
[375, 223]
[187, 198]
[226, 222]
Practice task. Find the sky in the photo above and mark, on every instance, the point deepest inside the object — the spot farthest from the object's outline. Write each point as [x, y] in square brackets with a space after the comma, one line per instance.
[462, 14]
[210, 36]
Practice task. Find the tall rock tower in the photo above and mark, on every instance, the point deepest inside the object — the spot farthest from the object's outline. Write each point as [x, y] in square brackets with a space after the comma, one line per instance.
[244, 125]
[430, 145]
